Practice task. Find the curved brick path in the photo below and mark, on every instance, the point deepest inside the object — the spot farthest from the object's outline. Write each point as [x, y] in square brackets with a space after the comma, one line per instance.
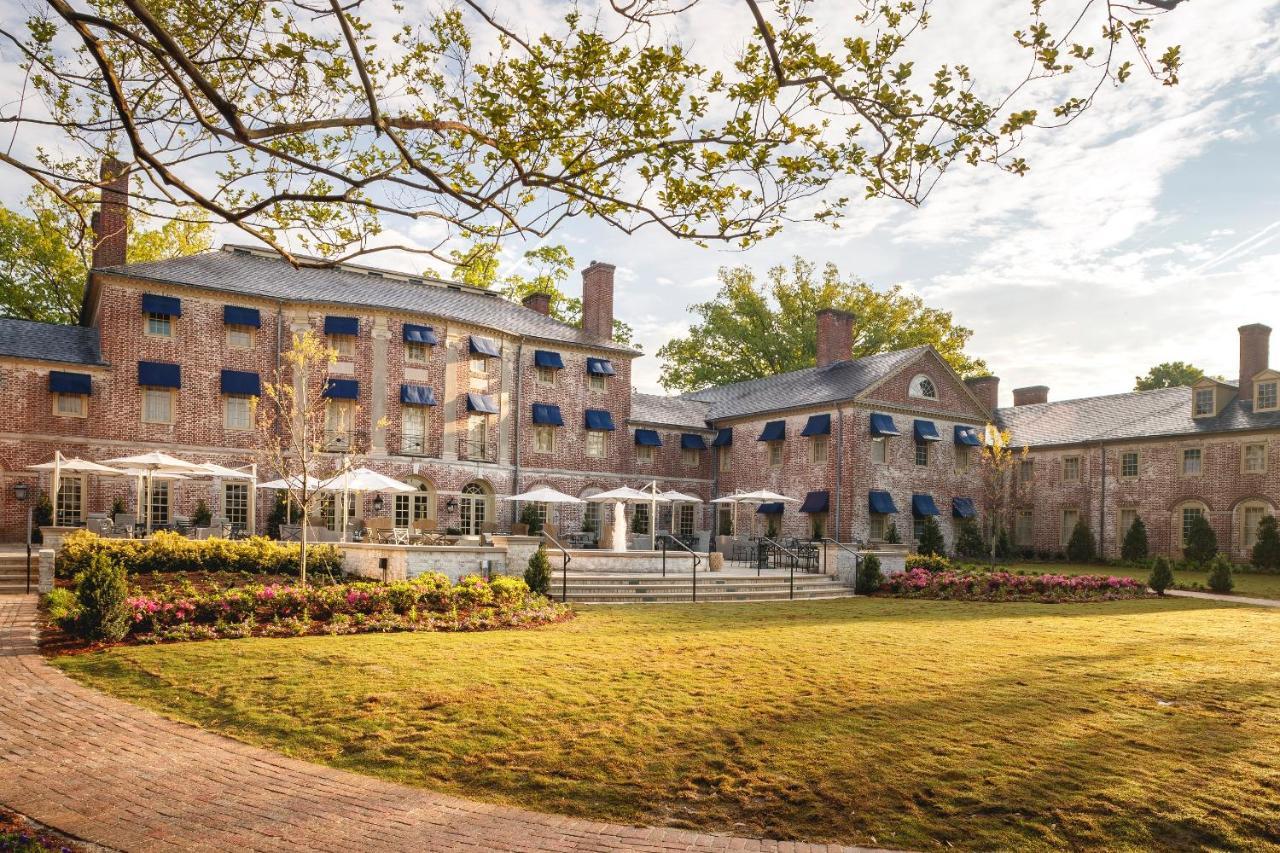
[112, 773]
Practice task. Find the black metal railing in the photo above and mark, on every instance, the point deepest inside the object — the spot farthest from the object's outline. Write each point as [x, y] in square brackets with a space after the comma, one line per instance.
[664, 539]
[564, 566]
[842, 547]
[766, 544]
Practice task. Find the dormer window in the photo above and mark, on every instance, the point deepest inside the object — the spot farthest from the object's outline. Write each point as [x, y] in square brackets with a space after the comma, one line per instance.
[1205, 402]
[923, 387]
[1265, 396]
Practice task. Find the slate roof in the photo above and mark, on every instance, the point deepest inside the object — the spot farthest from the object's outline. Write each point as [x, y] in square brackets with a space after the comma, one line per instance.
[251, 272]
[799, 388]
[49, 342]
[1139, 414]
[668, 411]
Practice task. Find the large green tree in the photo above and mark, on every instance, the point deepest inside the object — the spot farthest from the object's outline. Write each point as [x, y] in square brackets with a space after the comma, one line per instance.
[754, 328]
[309, 125]
[1169, 374]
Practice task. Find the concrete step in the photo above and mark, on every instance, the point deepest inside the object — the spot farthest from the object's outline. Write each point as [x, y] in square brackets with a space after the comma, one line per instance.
[648, 588]
[655, 589]
[708, 597]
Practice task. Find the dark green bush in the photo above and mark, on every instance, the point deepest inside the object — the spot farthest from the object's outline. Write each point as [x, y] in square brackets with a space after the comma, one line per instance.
[1004, 548]
[969, 543]
[1202, 542]
[1161, 575]
[61, 606]
[200, 516]
[102, 594]
[538, 575]
[1080, 547]
[869, 575]
[1266, 553]
[931, 542]
[1134, 548]
[1220, 579]
[529, 515]
[172, 552]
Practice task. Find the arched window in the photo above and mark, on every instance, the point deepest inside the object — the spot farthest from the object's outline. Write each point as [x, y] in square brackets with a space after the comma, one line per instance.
[1183, 514]
[922, 386]
[1248, 515]
[475, 507]
[415, 506]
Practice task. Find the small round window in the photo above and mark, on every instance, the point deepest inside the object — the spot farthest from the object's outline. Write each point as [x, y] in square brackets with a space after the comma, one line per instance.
[922, 386]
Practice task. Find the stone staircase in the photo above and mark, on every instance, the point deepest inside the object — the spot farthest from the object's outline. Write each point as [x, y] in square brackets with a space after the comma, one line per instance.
[13, 572]
[651, 588]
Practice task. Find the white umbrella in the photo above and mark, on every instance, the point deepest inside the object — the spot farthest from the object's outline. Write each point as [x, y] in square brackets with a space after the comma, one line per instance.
[294, 482]
[759, 497]
[362, 480]
[215, 470]
[545, 495]
[76, 465]
[625, 494]
[151, 463]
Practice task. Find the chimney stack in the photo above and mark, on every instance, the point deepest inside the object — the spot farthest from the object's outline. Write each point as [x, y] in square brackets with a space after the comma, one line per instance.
[987, 390]
[111, 221]
[1031, 395]
[597, 301]
[1255, 355]
[835, 336]
[540, 302]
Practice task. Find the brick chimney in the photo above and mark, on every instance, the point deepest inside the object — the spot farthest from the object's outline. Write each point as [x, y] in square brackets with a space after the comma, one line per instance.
[835, 336]
[540, 302]
[1031, 395]
[111, 220]
[986, 389]
[597, 301]
[1255, 355]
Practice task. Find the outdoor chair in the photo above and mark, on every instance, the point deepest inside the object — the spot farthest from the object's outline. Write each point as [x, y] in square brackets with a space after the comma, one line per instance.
[377, 529]
[424, 531]
[400, 535]
[519, 529]
[124, 523]
[290, 533]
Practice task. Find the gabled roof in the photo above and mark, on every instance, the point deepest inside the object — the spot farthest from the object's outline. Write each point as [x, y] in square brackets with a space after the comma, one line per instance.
[258, 273]
[668, 411]
[813, 386]
[1138, 414]
[49, 342]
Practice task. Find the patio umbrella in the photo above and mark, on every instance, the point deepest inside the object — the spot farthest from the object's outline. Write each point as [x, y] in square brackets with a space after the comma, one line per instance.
[362, 480]
[76, 465]
[216, 470]
[152, 462]
[758, 497]
[618, 497]
[545, 495]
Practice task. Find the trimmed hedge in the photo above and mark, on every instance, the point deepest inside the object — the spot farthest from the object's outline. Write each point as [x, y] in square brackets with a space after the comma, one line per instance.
[173, 552]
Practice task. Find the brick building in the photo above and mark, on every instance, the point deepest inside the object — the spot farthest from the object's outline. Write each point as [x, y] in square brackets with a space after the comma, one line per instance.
[470, 397]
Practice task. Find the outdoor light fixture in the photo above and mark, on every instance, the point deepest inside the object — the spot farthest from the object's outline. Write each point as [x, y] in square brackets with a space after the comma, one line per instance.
[377, 503]
[21, 491]
[451, 504]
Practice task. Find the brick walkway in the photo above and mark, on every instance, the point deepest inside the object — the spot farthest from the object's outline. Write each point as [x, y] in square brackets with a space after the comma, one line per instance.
[108, 772]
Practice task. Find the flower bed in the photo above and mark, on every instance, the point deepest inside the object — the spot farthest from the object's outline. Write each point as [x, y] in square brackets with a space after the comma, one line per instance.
[173, 552]
[426, 603]
[1006, 586]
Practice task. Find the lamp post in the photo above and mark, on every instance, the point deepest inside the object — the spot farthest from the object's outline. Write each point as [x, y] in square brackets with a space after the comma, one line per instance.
[22, 493]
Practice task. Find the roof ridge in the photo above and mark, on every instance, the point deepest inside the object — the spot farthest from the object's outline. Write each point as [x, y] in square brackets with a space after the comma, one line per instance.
[744, 383]
[1149, 391]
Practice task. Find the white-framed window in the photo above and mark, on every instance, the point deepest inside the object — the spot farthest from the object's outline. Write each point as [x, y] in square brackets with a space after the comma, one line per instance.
[479, 364]
[416, 353]
[478, 438]
[685, 520]
[473, 508]
[922, 453]
[546, 376]
[1254, 459]
[1070, 518]
[1071, 469]
[1251, 515]
[414, 506]
[689, 458]
[235, 503]
[917, 526]
[775, 453]
[640, 518]
[879, 526]
[339, 420]
[923, 387]
[544, 439]
[1024, 529]
[1129, 464]
[1265, 396]
[595, 442]
[818, 449]
[329, 504]
[597, 383]
[240, 337]
[70, 508]
[343, 345]
[1205, 402]
[237, 412]
[880, 450]
[159, 325]
[644, 453]
[413, 429]
[964, 458]
[71, 405]
[726, 460]
[591, 512]
[157, 405]
[1192, 461]
[159, 503]
[1128, 515]
[1184, 516]
[1026, 471]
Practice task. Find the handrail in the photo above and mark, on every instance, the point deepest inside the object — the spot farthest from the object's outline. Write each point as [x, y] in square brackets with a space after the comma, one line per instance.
[842, 547]
[795, 558]
[564, 567]
[667, 537]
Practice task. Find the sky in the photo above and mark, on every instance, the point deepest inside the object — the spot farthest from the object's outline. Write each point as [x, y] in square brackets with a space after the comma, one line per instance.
[1147, 231]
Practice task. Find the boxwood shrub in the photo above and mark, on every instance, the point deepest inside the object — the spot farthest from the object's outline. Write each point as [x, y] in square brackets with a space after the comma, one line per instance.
[173, 552]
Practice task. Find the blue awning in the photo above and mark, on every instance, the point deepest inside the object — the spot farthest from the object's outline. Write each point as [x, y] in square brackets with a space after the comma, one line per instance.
[926, 431]
[548, 359]
[61, 382]
[486, 347]
[963, 508]
[770, 509]
[342, 389]
[881, 503]
[420, 335]
[922, 505]
[816, 502]
[817, 425]
[417, 395]
[967, 436]
[482, 403]
[342, 325]
[692, 441]
[159, 375]
[234, 315]
[547, 414]
[774, 431]
[240, 382]
[598, 419]
[648, 438]
[600, 366]
[168, 306]
[724, 438]
[883, 425]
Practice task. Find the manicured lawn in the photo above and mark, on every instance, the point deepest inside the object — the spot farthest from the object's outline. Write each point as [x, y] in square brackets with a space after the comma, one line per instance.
[1125, 725]
[1247, 584]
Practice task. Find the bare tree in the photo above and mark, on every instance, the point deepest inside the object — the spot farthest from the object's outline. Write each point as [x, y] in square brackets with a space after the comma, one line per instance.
[999, 465]
[315, 125]
[301, 436]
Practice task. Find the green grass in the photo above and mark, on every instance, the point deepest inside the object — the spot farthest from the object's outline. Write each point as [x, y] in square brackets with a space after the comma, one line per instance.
[1248, 584]
[1124, 725]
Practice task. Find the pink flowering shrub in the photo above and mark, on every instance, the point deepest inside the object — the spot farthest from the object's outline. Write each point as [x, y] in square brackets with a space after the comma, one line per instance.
[1006, 586]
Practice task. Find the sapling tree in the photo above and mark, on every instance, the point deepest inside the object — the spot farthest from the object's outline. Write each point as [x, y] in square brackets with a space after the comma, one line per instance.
[999, 464]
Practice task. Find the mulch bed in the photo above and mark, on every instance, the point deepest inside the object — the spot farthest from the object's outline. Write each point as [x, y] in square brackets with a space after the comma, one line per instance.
[22, 834]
